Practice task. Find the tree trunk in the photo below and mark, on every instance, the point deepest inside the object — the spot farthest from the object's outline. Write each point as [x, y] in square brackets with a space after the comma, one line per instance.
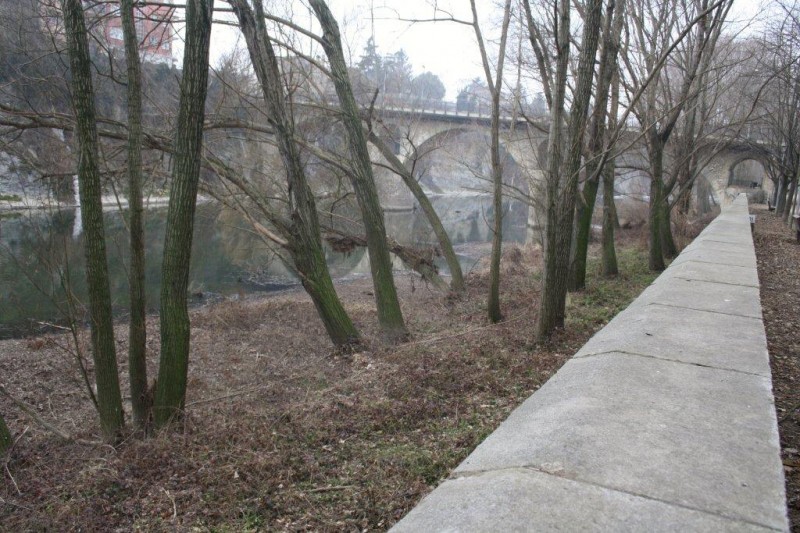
[585, 209]
[109, 398]
[668, 246]
[305, 244]
[562, 200]
[655, 252]
[174, 364]
[493, 300]
[609, 257]
[782, 194]
[787, 208]
[456, 275]
[137, 332]
[5, 436]
[390, 316]
[583, 218]
[549, 305]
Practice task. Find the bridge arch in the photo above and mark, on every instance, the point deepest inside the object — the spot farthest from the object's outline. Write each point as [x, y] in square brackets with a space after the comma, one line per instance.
[453, 165]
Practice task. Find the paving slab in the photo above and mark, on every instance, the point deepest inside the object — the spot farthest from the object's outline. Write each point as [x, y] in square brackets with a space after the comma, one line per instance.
[691, 436]
[738, 300]
[717, 257]
[519, 500]
[702, 271]
[695, 337]
[744, 248]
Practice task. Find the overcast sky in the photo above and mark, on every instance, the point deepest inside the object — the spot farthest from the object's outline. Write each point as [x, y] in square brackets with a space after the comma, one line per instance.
[449, 50]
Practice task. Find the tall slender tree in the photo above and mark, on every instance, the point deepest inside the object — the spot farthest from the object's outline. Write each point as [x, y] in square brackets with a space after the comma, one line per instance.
[109, 398]
[174, 363]
[495, 84]
[137, 329]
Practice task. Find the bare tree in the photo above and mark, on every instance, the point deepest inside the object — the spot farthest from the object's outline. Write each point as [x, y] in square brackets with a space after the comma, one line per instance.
[495, 83]
[390, 316]
[597, 140]
[109, 398]
[137, 328]
[654, 28]
[173, 369]
[563, 152]
[302, 229]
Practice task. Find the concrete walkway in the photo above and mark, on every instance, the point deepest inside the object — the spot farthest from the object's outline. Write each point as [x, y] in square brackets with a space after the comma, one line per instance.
[663, 421]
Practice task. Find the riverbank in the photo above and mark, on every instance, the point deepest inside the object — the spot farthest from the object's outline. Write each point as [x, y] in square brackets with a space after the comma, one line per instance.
[16, 203]
[281, 433]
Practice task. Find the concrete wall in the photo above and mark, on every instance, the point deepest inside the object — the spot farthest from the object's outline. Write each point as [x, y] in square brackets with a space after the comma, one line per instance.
[663, 421]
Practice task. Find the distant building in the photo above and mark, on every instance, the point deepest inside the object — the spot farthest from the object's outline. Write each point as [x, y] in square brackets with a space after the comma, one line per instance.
[153, 28]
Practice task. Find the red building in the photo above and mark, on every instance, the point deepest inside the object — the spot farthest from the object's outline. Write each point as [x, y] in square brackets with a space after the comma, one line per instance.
[153, 28]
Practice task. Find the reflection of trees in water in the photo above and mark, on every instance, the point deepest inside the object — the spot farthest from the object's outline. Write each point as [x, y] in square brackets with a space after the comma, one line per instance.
[38, 250]
[456, 166]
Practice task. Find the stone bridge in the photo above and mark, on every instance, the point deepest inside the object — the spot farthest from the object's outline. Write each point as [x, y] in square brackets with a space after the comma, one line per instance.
[448, 150]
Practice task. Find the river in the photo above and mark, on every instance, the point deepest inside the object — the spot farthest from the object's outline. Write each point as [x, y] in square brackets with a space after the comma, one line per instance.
[41, 255]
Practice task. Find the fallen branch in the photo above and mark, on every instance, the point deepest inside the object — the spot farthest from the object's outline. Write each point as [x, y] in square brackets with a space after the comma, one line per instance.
[331, 489]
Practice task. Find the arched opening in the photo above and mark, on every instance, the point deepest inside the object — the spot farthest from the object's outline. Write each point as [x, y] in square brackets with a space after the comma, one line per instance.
[747, 174]
[454, 169]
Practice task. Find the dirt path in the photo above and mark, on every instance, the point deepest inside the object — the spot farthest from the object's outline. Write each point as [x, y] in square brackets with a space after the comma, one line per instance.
[779, 272]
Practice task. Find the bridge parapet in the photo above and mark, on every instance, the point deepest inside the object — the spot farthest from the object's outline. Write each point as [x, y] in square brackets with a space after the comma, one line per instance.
[663, 421]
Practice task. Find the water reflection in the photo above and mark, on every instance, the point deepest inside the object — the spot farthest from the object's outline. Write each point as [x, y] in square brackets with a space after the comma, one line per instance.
[41, 256]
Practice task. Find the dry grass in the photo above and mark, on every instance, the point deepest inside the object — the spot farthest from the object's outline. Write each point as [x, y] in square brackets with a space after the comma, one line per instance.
[282, 434]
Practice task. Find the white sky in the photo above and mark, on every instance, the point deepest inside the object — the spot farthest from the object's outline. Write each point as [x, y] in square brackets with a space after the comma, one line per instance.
[447, 49]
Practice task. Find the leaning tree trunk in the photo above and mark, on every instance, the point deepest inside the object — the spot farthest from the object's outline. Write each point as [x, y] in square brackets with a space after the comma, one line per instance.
[109, 398]
[5, 436]
[552, 306]
[390, 316]
[303, 230]
[457, 285]
[137, 332]
[174, 363]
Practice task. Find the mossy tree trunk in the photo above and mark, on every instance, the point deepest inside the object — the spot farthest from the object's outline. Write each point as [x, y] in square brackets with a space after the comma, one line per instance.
[390, 316]
[137, 329]
[109, 398]
[303, 229]
[608, 266]
[561, 197]
[5, 436]
[597, 133]
[174, 363]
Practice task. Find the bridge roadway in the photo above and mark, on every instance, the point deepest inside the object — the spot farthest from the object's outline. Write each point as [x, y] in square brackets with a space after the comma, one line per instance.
[663, 421]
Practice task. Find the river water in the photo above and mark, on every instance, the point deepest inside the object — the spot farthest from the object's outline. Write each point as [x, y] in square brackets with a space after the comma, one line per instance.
[41, 256]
